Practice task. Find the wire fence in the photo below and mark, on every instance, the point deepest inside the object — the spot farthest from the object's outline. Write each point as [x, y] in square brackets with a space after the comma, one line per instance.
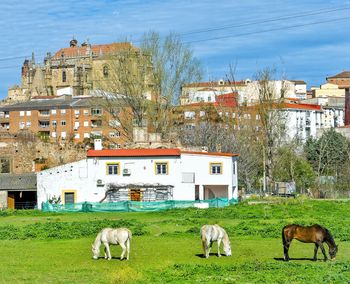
[135, 206]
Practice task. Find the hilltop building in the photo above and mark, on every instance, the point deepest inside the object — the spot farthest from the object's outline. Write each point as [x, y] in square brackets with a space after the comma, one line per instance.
[246, 91]
[75, 70]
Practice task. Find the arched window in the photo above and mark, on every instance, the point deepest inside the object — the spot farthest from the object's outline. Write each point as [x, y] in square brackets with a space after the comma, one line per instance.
[64, 76]
[105, 71]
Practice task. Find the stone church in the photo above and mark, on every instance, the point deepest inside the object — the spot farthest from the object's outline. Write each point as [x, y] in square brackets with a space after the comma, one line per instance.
[75, 70]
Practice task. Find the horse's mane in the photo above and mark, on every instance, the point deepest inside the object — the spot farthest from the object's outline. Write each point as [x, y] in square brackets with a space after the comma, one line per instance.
[329, 236]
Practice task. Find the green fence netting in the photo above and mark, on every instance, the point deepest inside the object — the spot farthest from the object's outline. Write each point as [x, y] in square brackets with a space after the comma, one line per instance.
[134, 206]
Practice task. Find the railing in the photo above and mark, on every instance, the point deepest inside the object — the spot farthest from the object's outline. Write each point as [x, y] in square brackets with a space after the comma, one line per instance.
[25, 205]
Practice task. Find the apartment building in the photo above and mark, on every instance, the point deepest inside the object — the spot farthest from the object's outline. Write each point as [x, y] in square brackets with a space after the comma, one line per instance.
[61, 118]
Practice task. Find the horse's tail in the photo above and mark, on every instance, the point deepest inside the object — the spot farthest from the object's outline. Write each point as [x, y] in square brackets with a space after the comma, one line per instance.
[129, 234]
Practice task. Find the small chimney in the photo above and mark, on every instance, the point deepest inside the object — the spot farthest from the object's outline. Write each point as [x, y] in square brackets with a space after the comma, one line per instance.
[347, 107]
[97, 144]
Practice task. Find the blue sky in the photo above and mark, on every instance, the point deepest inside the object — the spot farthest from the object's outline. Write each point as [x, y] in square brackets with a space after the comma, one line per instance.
[251, 34]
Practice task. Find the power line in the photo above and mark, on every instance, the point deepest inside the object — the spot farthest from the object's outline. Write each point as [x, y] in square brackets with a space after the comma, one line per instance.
[269, 30]
[310, 13]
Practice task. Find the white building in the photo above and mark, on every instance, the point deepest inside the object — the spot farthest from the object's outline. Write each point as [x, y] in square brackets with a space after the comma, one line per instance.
[247, 91]
[302, 120]
[287, 88]
[141, 175]
[333, 113]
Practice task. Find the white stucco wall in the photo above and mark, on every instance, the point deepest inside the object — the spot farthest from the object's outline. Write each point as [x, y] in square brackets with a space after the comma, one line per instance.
[81, 177]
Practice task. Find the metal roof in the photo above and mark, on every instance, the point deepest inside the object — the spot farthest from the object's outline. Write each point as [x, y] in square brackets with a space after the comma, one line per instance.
[18, 181]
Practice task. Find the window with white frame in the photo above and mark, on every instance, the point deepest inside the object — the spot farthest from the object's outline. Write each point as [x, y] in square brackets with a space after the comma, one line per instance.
[161, 168]
[189, 114]
[86, 112]
[63, 135]
[114, 134]
[53, 134]
[114, 123]
[29, 113]
[54, 123]
[216, 168]
[21, 125]
[63, 111]
[86, 135]
[21, 113]
[28, 124]
[53, 111]
[86, 123]
[76, 136]
[96, 111]
[63, 123]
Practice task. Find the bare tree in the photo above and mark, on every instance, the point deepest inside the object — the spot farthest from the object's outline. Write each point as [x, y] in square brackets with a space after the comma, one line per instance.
[272, 120]
[145, 82]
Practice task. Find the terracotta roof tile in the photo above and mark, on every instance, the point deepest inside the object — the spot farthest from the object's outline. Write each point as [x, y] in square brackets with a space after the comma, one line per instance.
[96, 49]
[148, 153]
[344, 74]
[299, 82]
[302, 106]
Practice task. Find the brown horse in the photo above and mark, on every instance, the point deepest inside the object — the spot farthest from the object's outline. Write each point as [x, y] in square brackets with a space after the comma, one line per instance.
[312, 234]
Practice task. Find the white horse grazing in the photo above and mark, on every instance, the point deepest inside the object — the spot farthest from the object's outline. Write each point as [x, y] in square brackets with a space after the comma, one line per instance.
[107, 236]
[212, 233]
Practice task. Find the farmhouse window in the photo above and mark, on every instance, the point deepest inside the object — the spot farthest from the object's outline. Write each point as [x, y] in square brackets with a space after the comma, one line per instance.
[216, 168]
[113, 169]
[161, 168]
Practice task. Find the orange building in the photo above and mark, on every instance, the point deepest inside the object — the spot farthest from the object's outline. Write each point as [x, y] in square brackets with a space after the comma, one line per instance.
[61, 118]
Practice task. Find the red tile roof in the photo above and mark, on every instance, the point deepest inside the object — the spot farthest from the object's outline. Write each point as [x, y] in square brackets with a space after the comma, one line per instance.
[299, 82]
[96, 49]
[302, 106]
[149, 153]
[210, 153]
[344, 74]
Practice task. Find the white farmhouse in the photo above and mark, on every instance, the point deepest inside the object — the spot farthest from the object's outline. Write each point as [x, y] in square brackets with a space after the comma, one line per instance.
[141, 175]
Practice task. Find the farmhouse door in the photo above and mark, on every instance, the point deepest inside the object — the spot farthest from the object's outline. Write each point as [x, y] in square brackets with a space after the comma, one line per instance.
[11, 200]
[135, 194]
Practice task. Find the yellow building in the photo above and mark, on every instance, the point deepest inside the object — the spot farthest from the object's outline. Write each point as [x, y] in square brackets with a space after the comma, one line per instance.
[75, 70]
[328, 90]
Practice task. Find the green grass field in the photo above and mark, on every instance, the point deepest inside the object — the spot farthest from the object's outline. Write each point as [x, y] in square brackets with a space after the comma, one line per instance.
[56, 248]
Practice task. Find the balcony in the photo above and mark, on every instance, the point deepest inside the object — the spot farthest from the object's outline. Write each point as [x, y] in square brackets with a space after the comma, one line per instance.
[44, 124]
[96, 123]
[4, 116]
[44, 113]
